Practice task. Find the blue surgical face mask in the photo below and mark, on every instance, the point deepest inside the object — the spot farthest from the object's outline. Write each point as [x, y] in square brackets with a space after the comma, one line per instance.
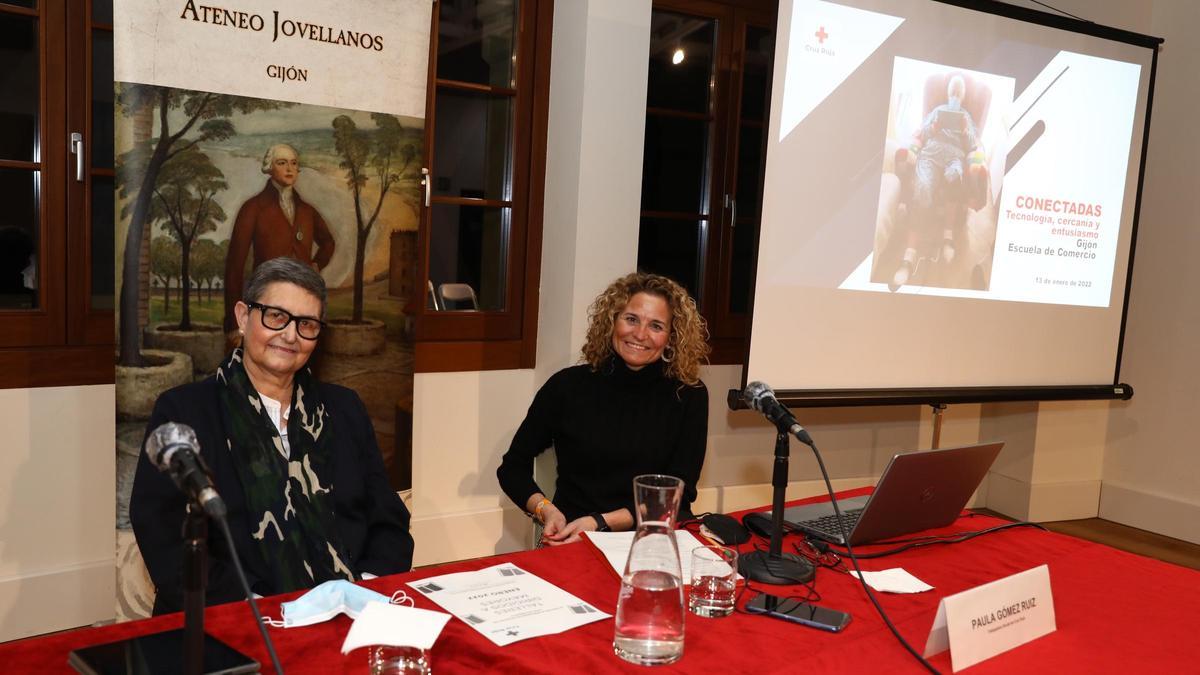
[955, 103]
[329, 599]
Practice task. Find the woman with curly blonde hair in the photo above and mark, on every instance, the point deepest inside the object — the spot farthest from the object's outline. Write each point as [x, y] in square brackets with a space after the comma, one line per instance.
[634, 405]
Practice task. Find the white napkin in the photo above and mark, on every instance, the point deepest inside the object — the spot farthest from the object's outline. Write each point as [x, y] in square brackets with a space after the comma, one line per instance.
[895, 580]
[394, 625]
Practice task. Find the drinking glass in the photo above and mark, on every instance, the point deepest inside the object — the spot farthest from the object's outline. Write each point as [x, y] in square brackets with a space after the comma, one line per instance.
[714, 578]
[389, 660]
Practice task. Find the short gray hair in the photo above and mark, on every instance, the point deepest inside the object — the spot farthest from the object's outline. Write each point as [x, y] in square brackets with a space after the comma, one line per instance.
[287, 270]
[269, 156]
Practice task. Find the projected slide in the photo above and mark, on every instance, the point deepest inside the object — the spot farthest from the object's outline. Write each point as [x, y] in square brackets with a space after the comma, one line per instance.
[955, 216]
[948, 199]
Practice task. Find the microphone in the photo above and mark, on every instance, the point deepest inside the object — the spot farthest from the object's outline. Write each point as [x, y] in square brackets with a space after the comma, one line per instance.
[173, 448]
[759, 396]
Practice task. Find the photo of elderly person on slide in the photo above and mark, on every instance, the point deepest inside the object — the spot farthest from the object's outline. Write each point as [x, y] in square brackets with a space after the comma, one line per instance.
[943, 163]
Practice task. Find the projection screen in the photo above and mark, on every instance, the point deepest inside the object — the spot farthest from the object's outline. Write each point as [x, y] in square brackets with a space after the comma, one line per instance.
[950, 200]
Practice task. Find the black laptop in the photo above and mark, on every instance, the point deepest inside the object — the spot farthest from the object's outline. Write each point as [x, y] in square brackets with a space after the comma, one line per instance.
[917, 491]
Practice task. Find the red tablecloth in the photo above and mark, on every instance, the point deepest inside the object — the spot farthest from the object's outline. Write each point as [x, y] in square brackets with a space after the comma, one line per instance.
[1116, 612]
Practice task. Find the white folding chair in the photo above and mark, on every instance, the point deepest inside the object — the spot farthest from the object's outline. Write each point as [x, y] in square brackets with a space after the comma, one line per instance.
[458, 293]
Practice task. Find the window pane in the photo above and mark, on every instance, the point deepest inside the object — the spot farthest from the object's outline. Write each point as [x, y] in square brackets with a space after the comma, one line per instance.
[689, 40]
[475, 41]
[18, 239]
[102, 239]
[672, 248]
[473, 145]
[756, 74]
[102, 11]
[468, 247]
[19, 91]
[102, 99]
[674, 165]
[749, 168]
[741, 268]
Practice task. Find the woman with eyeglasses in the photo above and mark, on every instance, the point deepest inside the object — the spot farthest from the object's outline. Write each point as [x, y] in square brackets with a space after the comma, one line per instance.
[295, 460]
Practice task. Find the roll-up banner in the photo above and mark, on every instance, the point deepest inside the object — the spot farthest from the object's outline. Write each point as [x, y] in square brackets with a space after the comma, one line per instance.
[248, 131]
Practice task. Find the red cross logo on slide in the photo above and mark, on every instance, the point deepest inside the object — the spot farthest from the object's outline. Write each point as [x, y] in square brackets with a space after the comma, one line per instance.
[821, 35]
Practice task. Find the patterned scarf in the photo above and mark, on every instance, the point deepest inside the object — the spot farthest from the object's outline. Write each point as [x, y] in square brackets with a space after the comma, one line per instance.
[287, 500]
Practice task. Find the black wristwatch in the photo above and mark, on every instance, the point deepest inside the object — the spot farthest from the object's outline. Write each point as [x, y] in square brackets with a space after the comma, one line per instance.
[601, 524]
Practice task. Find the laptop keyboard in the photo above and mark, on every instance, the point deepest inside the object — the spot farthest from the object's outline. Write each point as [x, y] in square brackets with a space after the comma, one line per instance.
[829, 523]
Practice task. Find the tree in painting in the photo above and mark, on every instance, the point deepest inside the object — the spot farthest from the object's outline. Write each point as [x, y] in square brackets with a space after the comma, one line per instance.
[182, 119]
[382, 155]
[183, 203]
[164, 264]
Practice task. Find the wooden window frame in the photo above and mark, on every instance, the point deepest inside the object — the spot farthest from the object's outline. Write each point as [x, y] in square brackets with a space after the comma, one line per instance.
[494, 340]
[728, 331]
[63, 342]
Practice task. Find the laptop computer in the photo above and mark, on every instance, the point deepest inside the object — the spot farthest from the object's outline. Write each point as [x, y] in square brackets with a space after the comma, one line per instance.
[917, 491]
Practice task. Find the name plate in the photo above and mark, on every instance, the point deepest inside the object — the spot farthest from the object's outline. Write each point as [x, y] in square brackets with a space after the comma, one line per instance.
[984, 621]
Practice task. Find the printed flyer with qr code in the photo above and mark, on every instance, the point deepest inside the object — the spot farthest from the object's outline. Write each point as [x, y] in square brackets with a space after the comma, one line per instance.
[507, 604]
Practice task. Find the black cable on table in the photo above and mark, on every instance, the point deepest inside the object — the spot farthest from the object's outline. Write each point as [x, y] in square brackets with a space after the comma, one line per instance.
[237, 565]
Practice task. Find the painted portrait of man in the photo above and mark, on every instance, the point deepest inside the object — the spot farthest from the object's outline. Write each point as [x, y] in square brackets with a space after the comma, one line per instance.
[275, 222]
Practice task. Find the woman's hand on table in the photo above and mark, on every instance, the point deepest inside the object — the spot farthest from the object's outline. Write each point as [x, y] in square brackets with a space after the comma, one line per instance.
[569, 533]
[553, 522]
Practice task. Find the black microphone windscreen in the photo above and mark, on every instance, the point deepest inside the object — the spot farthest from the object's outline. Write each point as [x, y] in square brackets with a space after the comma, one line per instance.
[754, 393]
[167, 436]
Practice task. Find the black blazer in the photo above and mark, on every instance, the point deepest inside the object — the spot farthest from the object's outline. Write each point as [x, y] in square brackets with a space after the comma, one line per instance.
[371, 518]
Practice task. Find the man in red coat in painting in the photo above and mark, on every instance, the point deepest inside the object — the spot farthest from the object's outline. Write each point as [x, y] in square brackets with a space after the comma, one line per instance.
[275, 222]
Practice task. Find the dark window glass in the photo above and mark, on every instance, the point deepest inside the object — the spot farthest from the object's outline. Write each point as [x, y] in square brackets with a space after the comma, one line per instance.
[741, 270]
[672, 248]
[749, 170]
[21, 3]
[19, 87]
[102, 99]
[756, 73]
[681, 61]
[674, 164]
[102, 239]
[475, 41]
[473, 145]
[102, 11]
[468, 248]
[19, 239]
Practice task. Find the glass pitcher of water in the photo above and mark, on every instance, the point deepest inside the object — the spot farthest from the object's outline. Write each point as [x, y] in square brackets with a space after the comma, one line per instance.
[650, 608]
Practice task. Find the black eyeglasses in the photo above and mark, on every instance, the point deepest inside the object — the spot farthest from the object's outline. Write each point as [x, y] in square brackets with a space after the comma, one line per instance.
[307, 327]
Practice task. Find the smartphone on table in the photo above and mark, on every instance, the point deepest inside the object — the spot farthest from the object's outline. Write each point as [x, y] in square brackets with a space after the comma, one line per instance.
[797, 611]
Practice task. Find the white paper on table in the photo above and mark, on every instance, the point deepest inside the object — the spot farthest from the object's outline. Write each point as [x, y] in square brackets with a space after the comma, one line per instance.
[396, 626]
[507, 604]
[614, 546]
[895, 580]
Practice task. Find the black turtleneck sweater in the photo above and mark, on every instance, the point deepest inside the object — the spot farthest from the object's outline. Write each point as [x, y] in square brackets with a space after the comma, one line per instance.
[607, 427]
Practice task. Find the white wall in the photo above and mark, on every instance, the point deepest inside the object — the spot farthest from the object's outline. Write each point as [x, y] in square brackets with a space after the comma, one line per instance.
[57, 508]
[1152, 463]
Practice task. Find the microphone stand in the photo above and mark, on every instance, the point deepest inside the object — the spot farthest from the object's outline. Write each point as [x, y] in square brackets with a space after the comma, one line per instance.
[195, 578]
[774, 566]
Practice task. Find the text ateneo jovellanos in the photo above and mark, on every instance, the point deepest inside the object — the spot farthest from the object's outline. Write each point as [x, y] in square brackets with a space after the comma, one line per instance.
[281, 27]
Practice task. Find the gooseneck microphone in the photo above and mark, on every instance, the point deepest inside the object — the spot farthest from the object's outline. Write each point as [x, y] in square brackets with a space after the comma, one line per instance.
[173, 448]
[760, 397]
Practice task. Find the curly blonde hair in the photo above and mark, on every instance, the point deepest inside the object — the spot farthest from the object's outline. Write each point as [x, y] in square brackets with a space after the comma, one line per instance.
[687, 345]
